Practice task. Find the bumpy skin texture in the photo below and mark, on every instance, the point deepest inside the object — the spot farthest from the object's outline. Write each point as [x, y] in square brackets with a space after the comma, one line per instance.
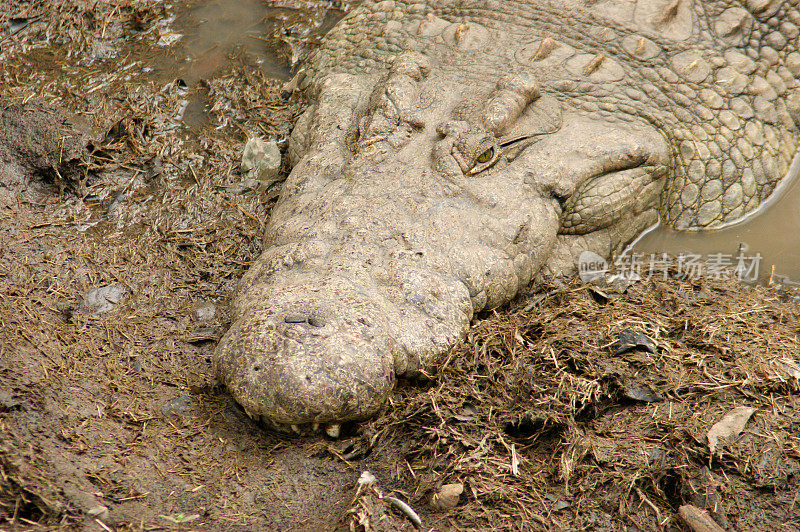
[452, 150]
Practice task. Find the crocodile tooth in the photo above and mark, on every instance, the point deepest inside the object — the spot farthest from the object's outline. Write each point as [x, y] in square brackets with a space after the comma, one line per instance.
[249, 413]
[333, 430]
[296, 429]
[315, 426]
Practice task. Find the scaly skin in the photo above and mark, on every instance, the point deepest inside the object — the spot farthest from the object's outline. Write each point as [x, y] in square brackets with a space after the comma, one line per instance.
[453, 150]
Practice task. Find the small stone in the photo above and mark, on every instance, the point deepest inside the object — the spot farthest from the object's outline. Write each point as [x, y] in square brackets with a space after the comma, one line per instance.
[204, 312]
[262, 158]
[333, 430]
[641, 392]
[630, 339]
[103, 299]
[447, 496]
[179, 405]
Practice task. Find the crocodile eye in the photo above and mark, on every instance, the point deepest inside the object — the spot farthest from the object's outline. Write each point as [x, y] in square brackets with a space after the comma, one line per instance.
[483, 161]
[486, 156]
[474, 151]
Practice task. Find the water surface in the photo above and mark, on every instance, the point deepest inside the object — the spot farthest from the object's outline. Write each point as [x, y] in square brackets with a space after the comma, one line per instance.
[773, 232]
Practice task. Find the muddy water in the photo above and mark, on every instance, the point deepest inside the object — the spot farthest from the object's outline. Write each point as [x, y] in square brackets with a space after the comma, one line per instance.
[277, 35]
[770, 237]
[212, 30]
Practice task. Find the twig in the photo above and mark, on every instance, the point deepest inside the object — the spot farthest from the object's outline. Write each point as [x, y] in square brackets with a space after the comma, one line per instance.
[406, 509]
[30, 21]
[647, 501]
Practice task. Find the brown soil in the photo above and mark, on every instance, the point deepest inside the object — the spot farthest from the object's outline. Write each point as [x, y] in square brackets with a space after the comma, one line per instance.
[123, 232]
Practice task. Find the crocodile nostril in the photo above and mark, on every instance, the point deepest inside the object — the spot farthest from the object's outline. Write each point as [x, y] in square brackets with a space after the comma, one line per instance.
[316, 321]
[295, 318]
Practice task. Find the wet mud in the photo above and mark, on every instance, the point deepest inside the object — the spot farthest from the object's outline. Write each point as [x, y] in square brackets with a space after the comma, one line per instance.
[125, 224]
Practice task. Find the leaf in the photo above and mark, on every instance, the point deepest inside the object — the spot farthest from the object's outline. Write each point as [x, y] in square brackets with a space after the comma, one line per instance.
[730, 426]
[180, 518]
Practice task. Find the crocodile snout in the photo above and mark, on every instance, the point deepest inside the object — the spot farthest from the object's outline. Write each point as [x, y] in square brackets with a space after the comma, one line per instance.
[307, 355]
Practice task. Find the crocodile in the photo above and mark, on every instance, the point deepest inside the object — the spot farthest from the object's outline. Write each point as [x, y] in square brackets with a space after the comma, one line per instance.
[454, 152]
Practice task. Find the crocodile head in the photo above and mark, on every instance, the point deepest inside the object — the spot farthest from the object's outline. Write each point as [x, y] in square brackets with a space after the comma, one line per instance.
[436, 182]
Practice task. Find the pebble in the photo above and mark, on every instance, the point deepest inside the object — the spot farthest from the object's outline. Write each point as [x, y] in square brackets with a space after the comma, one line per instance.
[100, 512]
[641, 392]
[179, 405]
[204, 312]
[262, 159]
[103, 299]
[447, 496]
[630, 339]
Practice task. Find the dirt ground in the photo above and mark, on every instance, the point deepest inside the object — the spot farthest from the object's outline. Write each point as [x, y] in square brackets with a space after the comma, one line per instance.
[125, 223]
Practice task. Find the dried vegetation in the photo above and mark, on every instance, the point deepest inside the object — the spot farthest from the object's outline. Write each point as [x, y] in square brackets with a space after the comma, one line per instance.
[544, 424]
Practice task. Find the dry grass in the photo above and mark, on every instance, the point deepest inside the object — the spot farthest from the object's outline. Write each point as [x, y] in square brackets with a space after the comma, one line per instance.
[533, 413]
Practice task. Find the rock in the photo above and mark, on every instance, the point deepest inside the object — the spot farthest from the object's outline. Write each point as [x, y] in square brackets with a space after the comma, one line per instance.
[366, 478]
[204, 312]
[641, 392]
[630, 339]
[262, 159]
[730, 426]
[447, 496]
[179, 405]
[698, 520]
[103, 299]
[204, 334]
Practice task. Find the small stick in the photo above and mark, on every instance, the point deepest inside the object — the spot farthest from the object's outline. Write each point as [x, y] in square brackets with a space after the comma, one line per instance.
[698, 520]
[406, 509]
[649, 503]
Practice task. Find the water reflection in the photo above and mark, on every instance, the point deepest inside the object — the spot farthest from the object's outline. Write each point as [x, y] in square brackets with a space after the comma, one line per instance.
[213, 29]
